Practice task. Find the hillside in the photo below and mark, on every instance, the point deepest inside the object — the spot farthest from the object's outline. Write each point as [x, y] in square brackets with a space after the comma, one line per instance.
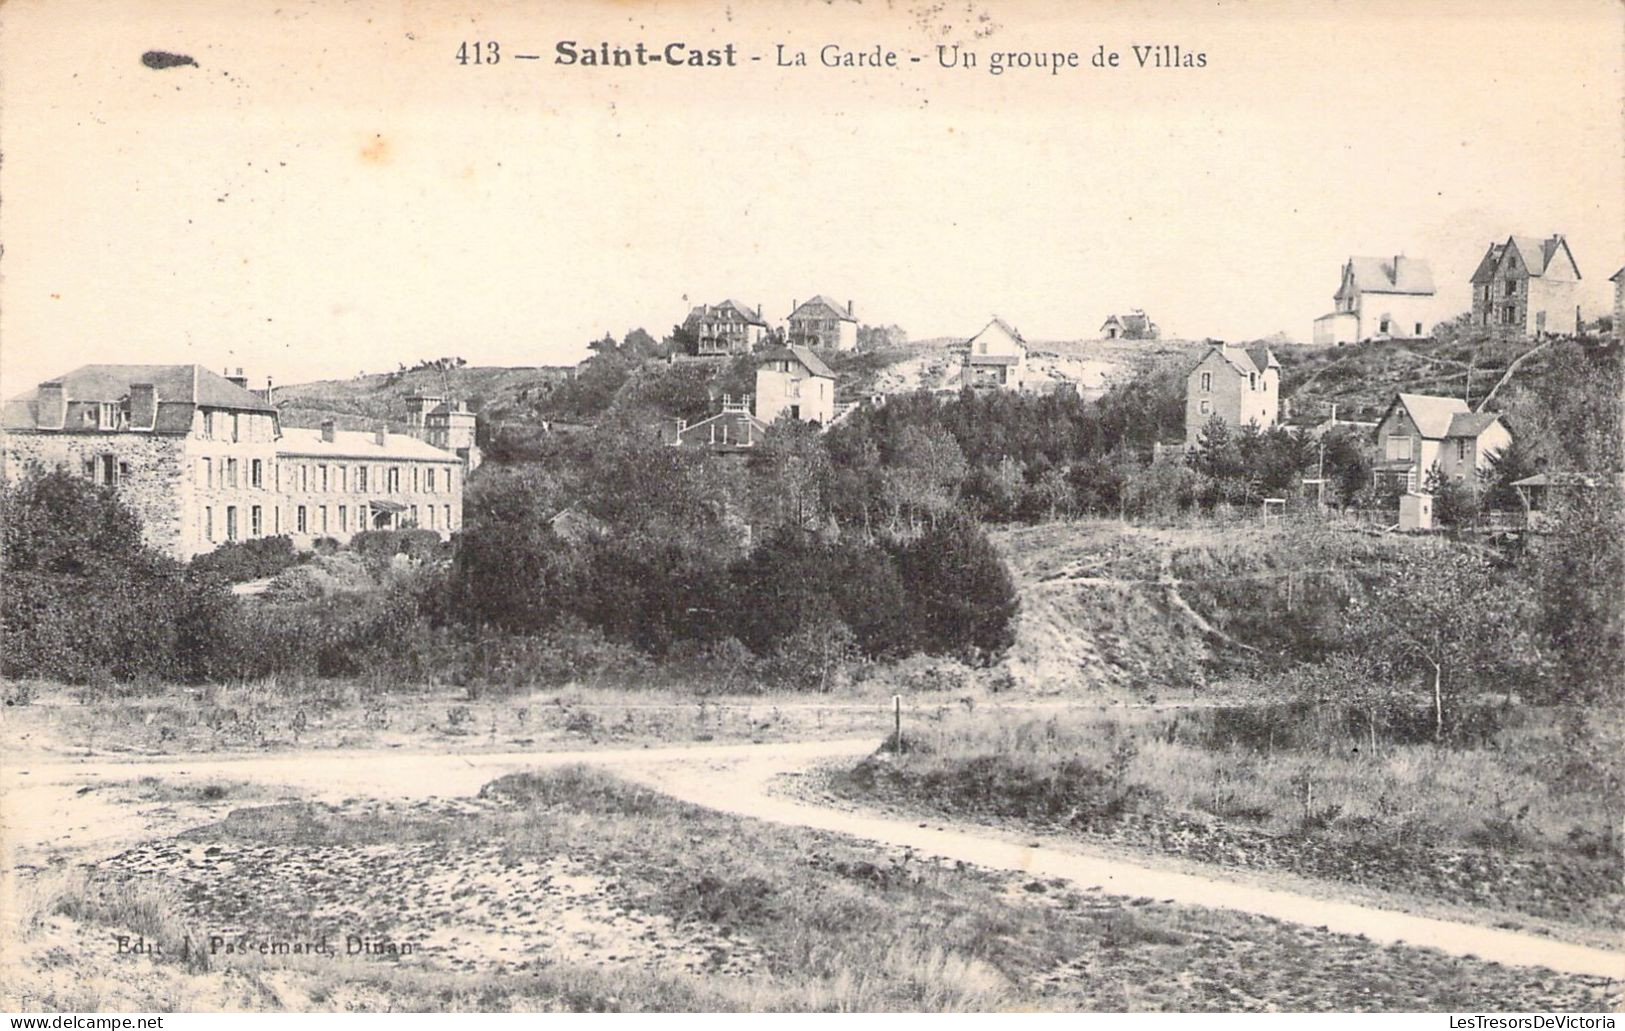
[512, 391]
[1362, 379]
[360, 402]
[1137, 612]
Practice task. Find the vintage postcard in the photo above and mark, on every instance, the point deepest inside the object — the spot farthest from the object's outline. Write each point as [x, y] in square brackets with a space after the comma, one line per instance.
[1002, 506]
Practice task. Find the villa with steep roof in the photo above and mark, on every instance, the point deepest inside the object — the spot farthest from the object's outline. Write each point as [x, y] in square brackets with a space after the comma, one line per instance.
[1239, 385]
[1419, 432]
[201, 460]
[823, 324]
[995, 358]
[1136, 325]
[1528, 287]
[726, 328]
[795, 382]
[1379, 299]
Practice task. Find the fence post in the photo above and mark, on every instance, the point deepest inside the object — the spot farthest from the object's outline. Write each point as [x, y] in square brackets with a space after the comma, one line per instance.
[897, 721]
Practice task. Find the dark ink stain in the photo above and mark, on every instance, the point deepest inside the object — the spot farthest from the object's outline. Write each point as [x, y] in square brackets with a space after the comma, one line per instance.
[159, 60]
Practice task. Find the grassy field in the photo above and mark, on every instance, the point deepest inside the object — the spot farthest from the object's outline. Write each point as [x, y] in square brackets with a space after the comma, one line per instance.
[273, 715]
[574, 891]
[1526, 825]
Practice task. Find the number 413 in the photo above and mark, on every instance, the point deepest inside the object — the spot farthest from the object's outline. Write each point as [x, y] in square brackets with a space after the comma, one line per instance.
[479, 53]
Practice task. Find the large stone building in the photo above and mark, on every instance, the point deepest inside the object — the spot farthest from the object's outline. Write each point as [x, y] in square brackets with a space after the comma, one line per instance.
[726, 328]
[202, 460]
[335, 483]
[795, 382]
[1241, 386]
[1528, 287]
[1379, 299]
[823, 324]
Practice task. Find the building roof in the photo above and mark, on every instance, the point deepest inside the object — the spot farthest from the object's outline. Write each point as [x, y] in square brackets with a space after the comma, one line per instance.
[1432, 415]
[356, 444]
[814, 308]
[1617, 276]
[745, 312]
[752, 425]
[1245, 360]
[992, 359]
[798, 353]
[1003, 327]
[1396, 275]
[1135, 321]
[1537, 255]
[192, 384]
[1471, 424]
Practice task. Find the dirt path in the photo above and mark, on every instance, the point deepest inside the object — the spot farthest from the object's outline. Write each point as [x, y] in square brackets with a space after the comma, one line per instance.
[46, 807]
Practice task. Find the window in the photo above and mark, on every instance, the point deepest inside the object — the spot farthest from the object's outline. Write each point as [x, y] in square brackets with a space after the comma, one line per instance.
[1206, 407]
[107, 416]
[206, 472]
[231, 472]
[1207, 382]
[1399, 448]
[1418, 331]
[361, 477]
[231, 522]
[414, 521]
[208, 522]
[415, 487]
[431, 481]
[256, 524]
[299, 520]
[394, 479]
[276, 520]
[304, 477]
[344, 478]
[431, 517]
[235, 427]
[208, 424]
[344, 519]
[1461, 449]
[447, 511]
[1384, 327]
[322, 514]
[1252, 381]
[322, 469]
[256, 475]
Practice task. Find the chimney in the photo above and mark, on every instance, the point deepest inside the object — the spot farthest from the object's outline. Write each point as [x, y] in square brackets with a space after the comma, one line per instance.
[143, 406]
[758, 309]
[378, 436]
[793, 306]
[266, 394]
[237, 378]
[327, 431]
[850, 312]
[52, 407]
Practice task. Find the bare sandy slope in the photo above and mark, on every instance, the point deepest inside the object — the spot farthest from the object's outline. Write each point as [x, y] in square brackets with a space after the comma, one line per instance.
[45, 807]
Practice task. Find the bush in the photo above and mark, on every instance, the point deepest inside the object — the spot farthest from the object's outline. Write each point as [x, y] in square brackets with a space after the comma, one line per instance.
[240, 561]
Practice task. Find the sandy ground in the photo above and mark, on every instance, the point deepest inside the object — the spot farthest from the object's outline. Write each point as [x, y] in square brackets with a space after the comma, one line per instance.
[68, 810]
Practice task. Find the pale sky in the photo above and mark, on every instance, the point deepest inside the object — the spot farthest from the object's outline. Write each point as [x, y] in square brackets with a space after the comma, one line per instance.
[328, 191]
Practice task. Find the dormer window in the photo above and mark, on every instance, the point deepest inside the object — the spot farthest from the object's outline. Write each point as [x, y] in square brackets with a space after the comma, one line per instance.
[107, 416]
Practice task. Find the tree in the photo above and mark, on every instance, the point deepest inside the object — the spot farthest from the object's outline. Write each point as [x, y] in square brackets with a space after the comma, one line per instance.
[1439, 607]
[1579, 568]
[1361, 681]
[59, 523]
[961, 596]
